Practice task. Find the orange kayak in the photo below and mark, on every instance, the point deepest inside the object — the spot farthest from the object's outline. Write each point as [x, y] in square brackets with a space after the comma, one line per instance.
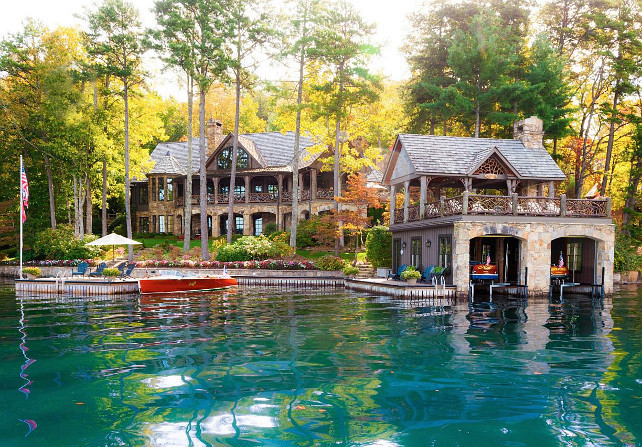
[162, 284]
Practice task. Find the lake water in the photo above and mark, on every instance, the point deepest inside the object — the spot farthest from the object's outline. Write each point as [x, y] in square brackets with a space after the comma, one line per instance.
[299, 368]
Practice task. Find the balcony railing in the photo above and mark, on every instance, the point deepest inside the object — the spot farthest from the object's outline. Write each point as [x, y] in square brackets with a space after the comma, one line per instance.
[258, 197]
[508, 205]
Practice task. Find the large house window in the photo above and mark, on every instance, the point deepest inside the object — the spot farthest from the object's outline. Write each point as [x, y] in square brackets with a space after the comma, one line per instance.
[415, 251]
[143, 225]
[170, 224]
[161, 189]
[258, 226]
[161, 224]
[445, 251]
[258, 188]
[239, 190]
[273, 189]
[238, 220]
[170, 190]
[142, 195]
[154, 189]
[224, 159]
[153, 224]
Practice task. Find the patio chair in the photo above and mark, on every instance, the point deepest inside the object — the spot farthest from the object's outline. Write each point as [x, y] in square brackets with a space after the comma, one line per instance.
[427, 273]
[438, 273]
[127, 273]
[99, 270]
[397, 276]
[82, 269]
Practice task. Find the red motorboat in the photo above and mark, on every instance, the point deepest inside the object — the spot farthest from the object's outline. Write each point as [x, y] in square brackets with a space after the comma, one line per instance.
[176, 283]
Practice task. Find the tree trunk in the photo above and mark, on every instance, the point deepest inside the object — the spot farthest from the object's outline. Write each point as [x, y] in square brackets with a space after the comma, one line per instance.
[337, 154]
[89, 209]
[104, 202]
[231, 225]
[128, 209]
[477, 120]
[295, 158]
[187, 224]
[609, 144]
[52, 202]
[205, 253]
[81, 209]
[76, 228]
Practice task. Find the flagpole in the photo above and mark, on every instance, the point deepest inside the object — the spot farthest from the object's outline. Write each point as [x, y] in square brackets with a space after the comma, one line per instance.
[22, 204]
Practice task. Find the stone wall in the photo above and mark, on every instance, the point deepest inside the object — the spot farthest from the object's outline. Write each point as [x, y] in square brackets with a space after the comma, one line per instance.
[535, 251]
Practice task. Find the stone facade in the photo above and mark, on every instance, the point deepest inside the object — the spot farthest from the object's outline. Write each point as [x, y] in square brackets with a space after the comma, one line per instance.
[535, 252]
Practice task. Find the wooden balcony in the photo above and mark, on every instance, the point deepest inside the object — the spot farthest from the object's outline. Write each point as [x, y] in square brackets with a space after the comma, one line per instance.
[258, 197]
[473, 204]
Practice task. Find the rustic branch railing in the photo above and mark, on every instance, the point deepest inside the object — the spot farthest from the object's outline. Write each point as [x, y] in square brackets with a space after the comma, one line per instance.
[413, 213]
[325, 193]
[262, 197]
[224, 198]
[514, 205]
[305, 195]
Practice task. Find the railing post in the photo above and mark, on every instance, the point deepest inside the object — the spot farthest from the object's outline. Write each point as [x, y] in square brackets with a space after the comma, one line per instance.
[393, 204]
[422, 197]
[442, 206]
[515, 204]
[563, 205]
[406, 202]
[464, 202]
[608, 207]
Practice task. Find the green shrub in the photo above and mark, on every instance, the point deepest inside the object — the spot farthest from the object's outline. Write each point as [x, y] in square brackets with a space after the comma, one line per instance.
[62, 244]
[410, 273]
[349, 270]
[329, 262]
[260, 247]
[379, 247]
[626, 257]
[232, 252]
[111, 272]
[270, 229]
[35, 271]
[305, 232]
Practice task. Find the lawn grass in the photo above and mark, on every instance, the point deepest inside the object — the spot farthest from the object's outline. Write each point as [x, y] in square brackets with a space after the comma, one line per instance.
[152, 242]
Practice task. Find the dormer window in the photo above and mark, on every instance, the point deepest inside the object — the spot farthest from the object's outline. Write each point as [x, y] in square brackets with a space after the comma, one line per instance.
[224, 159]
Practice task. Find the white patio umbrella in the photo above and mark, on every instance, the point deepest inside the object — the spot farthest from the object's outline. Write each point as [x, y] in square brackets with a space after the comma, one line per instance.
[113, 239]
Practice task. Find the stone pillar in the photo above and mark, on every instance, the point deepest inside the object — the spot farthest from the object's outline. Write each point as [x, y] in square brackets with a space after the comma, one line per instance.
[393, 204]
[216, 225]
[313, 184]
[563, 205]
[551, 189]
[461, 255]
[215, 181]
[406, 201]
[422, 197]
[464, 202]
[515, 204]
[247, 188]
[247, 224]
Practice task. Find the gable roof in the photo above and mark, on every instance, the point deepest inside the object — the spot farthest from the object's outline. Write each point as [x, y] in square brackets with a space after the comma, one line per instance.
[168, 165]
[459, 156]
[178, 151]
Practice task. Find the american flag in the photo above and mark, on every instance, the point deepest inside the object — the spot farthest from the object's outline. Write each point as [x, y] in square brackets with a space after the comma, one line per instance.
[561, 261]
[24, 193]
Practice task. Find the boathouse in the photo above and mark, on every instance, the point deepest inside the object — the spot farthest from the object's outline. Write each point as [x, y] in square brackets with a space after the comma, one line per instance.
[458, 202]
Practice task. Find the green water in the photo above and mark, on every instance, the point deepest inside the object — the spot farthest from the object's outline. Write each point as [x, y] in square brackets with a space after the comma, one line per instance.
[280, 368]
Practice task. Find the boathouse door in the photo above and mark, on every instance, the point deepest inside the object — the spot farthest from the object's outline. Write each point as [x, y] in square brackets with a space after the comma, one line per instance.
[396, 254]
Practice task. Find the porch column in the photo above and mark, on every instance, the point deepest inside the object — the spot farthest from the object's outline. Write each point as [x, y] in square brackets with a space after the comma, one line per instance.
[422, 197]
[215, 181]
[393, 204]
[247, 188]
[540, 190]
[300, 187]
[247, 224]
[510, 187]
[216, 227]
[551, 189]
[279, 180]
[406, 200]
[313, 183]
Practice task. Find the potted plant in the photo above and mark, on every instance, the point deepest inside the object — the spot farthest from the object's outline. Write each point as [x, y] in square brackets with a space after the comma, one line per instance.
[32, 272]
[410, 275]
[110, 273]
[350, 270]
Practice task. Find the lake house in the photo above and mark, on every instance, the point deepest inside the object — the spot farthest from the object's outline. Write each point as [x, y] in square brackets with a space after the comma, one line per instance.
[471, 201]
[262, 190]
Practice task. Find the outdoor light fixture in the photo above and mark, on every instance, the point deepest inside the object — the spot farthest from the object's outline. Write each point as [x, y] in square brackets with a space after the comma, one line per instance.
[403, 244]
[428, 243]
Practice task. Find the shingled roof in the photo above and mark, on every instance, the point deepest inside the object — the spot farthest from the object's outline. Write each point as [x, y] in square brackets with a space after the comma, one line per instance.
[457, 156]
[168, 165]
[273, 149]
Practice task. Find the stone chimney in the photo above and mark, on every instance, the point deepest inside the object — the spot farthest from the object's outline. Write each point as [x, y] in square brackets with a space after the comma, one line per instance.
[214, 132]
[530, 132]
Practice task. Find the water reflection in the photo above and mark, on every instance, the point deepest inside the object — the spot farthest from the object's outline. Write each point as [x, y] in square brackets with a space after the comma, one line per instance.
[317, 368]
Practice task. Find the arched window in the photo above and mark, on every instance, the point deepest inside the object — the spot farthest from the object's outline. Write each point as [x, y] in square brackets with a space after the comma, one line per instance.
[224, 159]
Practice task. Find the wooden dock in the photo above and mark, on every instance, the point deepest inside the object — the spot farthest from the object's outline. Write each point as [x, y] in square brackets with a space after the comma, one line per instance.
[76, 287]
[291, 282]
[401, 289]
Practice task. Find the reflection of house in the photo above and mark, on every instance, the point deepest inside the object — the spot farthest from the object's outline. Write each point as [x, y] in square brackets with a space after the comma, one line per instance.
[262, 191]
[469, 199]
